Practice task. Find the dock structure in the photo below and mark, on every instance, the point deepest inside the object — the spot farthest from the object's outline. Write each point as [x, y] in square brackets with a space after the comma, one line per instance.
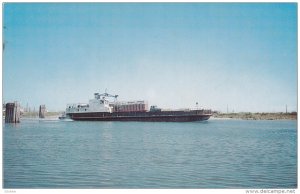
[12, 112]
[42, 111]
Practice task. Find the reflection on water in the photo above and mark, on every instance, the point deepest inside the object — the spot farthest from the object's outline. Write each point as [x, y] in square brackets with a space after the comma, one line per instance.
[211, 154]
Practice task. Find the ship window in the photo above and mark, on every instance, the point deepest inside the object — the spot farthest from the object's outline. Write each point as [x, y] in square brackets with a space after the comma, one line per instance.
[78, 109]
[85, 109]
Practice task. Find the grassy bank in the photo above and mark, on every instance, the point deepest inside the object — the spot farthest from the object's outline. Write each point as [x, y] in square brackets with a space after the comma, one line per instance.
[257, 116]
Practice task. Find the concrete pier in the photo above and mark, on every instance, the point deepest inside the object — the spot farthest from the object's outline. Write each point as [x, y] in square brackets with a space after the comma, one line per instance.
[42, 111]
[12, 112]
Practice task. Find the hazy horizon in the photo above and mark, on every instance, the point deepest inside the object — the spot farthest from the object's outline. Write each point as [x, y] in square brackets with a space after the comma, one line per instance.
[240, 55]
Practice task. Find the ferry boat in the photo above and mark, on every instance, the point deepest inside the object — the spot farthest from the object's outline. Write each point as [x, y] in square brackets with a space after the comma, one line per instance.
[101, 109]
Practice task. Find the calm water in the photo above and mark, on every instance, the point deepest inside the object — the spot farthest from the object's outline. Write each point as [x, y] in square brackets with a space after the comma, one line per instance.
[212, 154]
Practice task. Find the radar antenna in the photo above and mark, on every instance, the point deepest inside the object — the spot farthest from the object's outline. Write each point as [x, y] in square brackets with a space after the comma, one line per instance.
[104, 95]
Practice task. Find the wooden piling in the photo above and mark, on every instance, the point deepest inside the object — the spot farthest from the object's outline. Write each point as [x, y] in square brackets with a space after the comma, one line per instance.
[12, 112]
[42, 111]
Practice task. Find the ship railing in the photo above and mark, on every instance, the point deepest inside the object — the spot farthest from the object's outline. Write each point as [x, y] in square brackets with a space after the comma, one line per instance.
[129, 102]
[207, 111]
[161, 113]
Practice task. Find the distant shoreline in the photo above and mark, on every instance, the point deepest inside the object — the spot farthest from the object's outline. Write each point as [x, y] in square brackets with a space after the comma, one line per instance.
[256, 116]
[223, 116]
[36, 114]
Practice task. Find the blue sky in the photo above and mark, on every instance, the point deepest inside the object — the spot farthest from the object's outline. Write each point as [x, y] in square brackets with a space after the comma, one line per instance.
[172, 55]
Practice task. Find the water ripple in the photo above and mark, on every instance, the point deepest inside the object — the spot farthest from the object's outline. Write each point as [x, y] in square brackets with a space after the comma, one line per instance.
[214, 154]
